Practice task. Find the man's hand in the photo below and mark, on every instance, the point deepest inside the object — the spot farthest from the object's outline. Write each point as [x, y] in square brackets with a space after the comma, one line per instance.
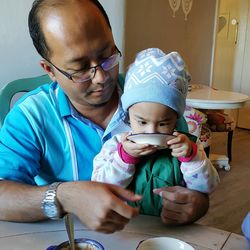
[182, 205]
[101, 207]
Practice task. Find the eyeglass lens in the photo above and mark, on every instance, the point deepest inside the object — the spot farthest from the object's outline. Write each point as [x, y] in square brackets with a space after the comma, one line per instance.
[108, 64]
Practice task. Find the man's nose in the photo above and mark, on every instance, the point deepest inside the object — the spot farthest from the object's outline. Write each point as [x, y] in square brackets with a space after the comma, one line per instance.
[100, 75]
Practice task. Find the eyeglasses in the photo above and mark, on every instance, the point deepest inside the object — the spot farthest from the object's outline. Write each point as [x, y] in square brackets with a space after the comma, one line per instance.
[89, 74]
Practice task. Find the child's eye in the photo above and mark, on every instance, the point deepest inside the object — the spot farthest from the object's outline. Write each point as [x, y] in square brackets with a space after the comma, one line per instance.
[142, 123]
[163, 124]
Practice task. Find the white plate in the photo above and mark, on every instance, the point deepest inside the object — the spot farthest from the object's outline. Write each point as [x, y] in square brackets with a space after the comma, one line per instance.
[163, 243]
[152, 139]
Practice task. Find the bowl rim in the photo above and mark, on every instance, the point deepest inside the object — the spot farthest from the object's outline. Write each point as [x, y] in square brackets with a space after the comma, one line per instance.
[161, 134]
[78, 240]
[167, 238]
[152, 136]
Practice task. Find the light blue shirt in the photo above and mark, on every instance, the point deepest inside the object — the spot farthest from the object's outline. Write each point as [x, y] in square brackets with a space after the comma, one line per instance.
[246, 228]
[44, 139]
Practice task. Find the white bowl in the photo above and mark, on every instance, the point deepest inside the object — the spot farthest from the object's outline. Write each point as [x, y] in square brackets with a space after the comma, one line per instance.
[163, 243]
[151, 138]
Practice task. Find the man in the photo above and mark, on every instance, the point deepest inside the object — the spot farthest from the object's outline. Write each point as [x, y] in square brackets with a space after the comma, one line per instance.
[53, 133]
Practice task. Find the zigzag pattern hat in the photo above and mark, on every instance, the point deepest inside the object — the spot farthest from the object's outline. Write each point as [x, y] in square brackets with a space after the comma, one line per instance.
[157, 77]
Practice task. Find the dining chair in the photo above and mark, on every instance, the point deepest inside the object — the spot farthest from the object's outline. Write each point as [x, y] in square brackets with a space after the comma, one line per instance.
[219, 121]
[202, 123]
[197, 125]
[8, 91]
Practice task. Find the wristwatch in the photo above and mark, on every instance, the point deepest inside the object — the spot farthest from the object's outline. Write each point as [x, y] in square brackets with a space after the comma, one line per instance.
[50, 205]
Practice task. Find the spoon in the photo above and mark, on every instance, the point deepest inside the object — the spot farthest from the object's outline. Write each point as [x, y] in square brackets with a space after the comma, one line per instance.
[69, 223]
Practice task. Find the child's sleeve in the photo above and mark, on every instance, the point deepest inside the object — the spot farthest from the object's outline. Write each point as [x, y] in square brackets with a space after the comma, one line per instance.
[199, 173]
[109, 167]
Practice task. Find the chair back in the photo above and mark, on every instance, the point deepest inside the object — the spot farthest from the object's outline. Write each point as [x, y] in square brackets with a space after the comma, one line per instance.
[17, 86]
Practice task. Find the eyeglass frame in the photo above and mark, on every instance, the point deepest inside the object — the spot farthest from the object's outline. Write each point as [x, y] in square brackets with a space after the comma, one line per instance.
[70, 76]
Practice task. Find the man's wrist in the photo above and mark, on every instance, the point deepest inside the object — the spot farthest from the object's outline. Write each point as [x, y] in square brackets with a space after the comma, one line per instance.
[50, 206]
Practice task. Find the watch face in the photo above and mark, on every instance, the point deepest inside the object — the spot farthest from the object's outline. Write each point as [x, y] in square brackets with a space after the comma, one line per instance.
[51, 210]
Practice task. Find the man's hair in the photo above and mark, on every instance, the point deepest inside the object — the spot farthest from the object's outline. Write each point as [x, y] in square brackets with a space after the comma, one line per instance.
[34, 22]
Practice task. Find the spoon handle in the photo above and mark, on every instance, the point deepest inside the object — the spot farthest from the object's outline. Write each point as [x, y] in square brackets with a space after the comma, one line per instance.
[69, 223]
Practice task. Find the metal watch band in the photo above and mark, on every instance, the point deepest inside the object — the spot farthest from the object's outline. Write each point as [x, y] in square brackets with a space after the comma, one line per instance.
[50, 205]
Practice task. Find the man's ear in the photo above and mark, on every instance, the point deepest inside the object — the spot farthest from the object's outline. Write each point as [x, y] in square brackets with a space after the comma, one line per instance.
[48, 69]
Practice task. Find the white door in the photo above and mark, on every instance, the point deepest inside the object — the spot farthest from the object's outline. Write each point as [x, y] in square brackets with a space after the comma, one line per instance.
[244, 113]
[231, 63]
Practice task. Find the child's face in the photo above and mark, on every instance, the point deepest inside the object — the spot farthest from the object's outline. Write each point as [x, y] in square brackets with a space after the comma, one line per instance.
[149, 117]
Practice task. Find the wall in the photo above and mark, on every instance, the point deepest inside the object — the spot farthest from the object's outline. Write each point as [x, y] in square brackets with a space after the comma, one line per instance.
[149, 23]
[200, 39]
[18, 57]
[115, 10]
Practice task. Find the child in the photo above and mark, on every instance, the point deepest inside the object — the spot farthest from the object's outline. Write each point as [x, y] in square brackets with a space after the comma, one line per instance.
[154, 97]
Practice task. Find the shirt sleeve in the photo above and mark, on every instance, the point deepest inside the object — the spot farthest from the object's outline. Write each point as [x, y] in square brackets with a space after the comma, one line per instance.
[199, 173]
[109, 167]
[19, 150]
[246, 227]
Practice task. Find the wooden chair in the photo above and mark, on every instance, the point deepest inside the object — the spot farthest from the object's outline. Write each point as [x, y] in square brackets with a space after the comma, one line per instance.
[202, 123]
[219, 121]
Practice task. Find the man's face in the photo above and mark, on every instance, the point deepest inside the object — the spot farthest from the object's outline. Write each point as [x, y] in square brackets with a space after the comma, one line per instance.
[79, 37]
[149, 117]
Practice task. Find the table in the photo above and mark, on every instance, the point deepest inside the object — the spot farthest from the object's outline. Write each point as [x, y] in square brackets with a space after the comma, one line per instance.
[40, 235]
[204, 97]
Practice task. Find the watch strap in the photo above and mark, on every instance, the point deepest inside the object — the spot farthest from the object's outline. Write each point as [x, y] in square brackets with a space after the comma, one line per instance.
[50, 205]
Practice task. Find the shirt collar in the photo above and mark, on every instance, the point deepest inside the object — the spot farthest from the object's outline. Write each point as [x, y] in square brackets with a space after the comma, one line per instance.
[63, 102]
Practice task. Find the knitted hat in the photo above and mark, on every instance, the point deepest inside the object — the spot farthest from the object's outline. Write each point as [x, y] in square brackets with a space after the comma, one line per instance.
[157, 77]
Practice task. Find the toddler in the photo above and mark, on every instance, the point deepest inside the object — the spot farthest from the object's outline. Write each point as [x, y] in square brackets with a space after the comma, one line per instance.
[154, 98]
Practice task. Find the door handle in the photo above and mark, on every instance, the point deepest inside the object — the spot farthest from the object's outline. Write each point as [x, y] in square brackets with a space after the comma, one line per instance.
[235, 23]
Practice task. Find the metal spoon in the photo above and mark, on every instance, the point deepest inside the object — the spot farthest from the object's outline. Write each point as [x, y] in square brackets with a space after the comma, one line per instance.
[69, 223]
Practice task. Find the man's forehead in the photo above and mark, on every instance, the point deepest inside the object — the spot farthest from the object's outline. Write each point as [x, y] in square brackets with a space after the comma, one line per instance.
[76, 32]
[68, 7]
[81, 13]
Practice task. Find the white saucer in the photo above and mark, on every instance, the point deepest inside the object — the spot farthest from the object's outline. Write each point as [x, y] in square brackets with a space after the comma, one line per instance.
[163, 243]
[151, 138]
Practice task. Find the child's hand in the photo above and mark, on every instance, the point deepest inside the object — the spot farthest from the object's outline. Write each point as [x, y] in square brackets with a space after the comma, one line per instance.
[181, 145]
[135, 149]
